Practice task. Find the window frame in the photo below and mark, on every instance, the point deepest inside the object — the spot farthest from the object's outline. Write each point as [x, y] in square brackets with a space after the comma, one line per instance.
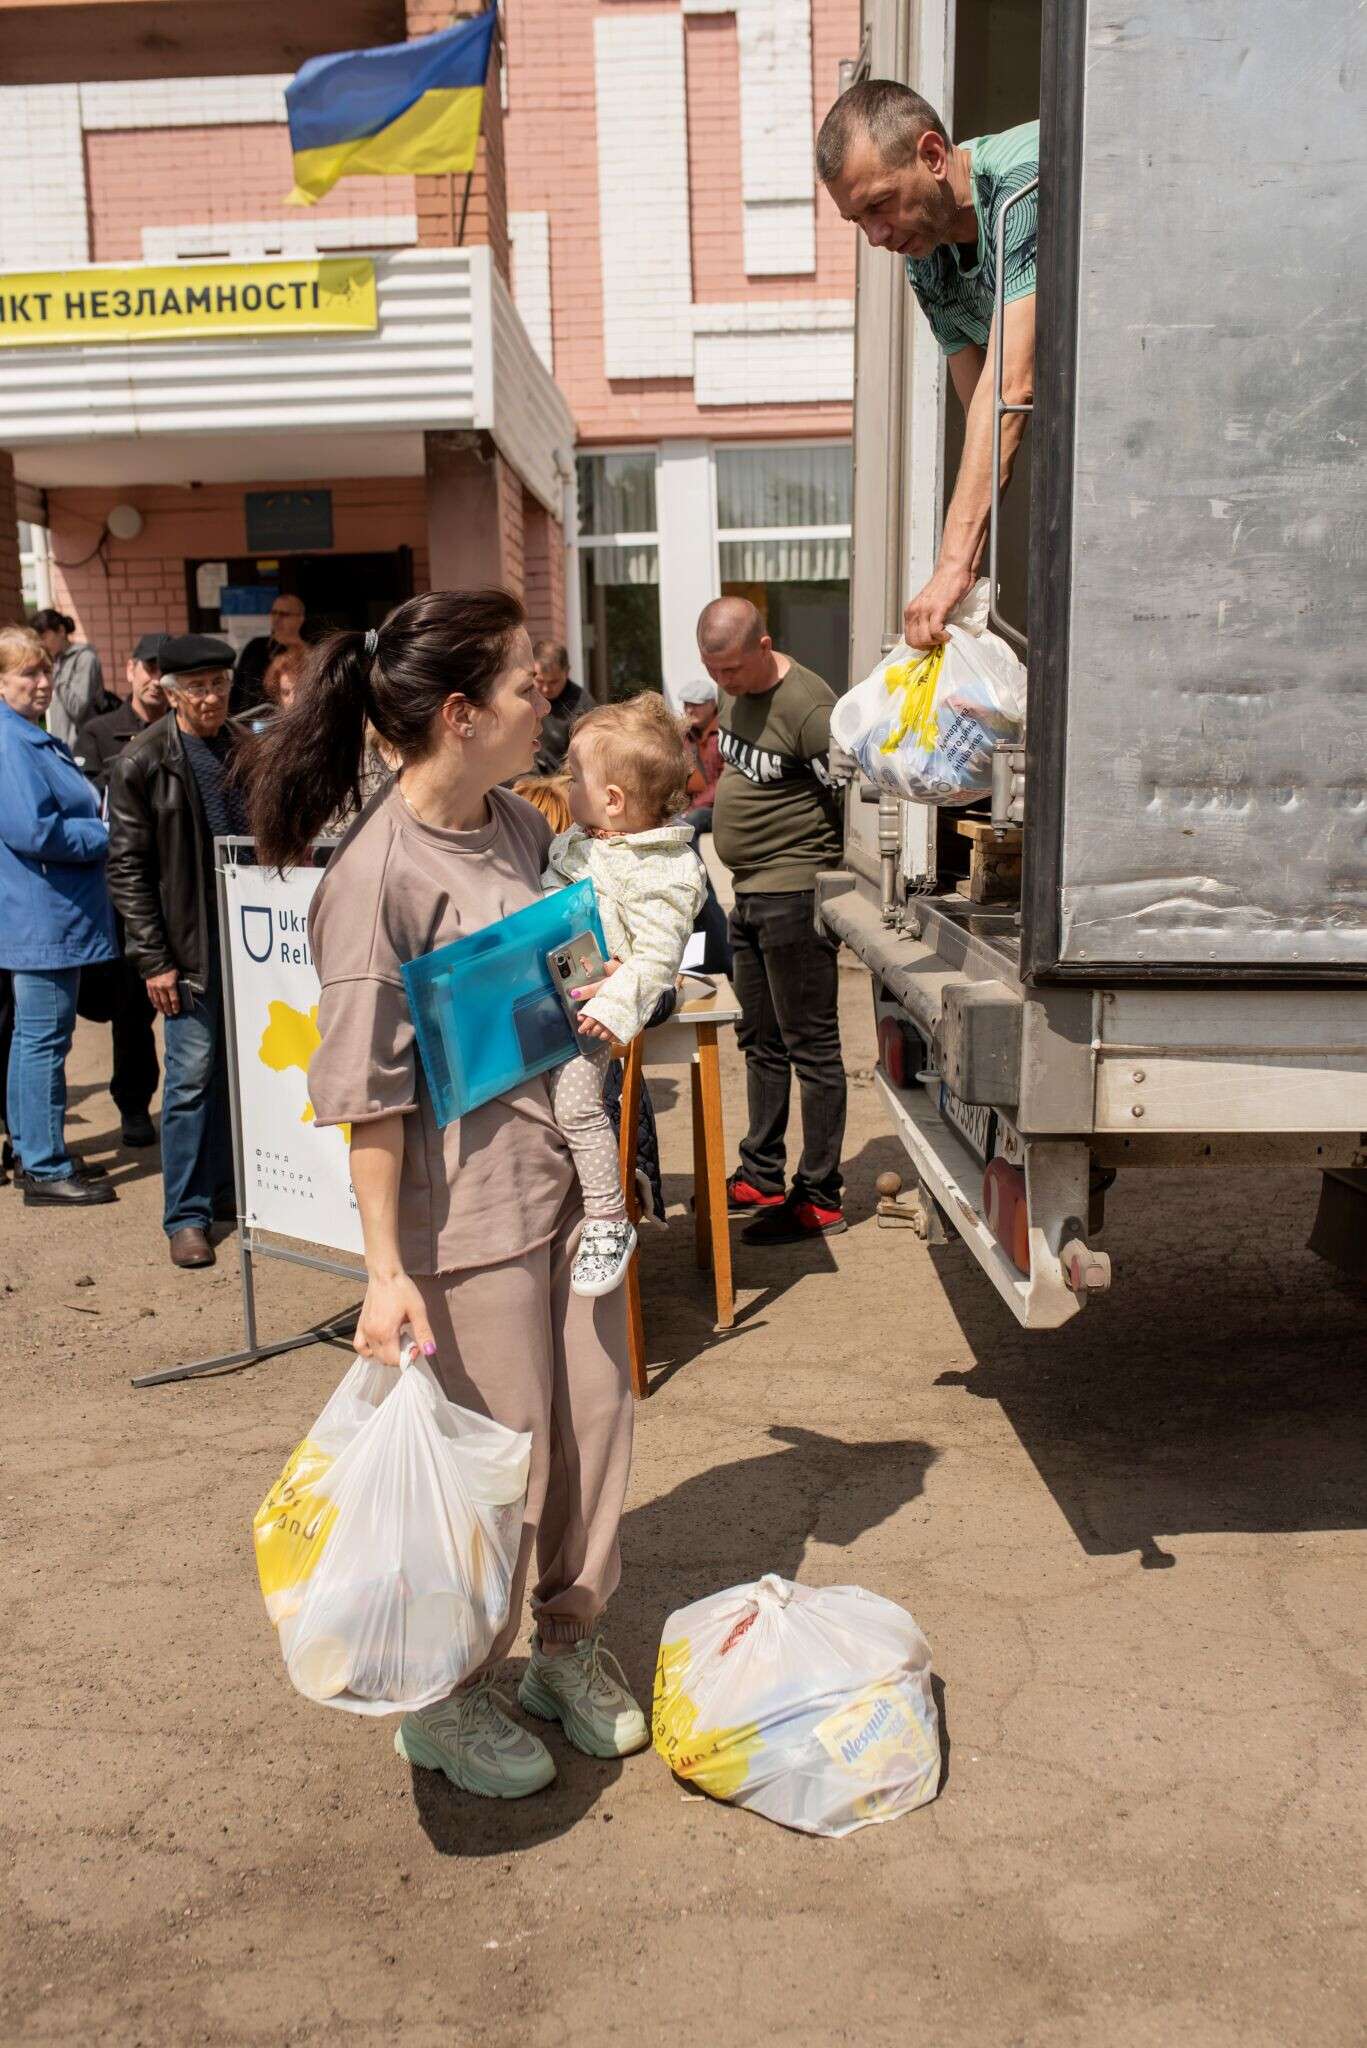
[721, 533]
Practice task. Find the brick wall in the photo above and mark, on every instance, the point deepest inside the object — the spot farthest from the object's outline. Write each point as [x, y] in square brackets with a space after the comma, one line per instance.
[11, 583]
[544, 579]
[552, 149]
[440, 201]
[145, 590]
[175, 177]
[510, 496]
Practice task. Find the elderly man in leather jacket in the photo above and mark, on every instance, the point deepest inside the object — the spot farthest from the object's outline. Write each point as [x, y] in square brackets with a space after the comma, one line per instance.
[170, 793]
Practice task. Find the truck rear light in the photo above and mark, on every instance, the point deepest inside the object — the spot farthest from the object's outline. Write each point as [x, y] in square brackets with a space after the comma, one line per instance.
[897, 1054]
[1006, 1211]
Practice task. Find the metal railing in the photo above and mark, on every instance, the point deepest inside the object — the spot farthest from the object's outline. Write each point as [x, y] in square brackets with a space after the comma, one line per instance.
[1000, 409]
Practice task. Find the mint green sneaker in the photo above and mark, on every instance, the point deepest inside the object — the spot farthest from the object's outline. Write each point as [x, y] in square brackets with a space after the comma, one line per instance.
[585, 1689]
[477, 1743]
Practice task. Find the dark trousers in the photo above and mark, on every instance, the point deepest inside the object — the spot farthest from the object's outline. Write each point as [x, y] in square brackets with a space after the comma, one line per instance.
[711, 919]
[786, 981]
[135, 1044]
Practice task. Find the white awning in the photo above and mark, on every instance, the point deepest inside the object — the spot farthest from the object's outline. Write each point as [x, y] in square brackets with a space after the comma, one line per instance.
[449, 354]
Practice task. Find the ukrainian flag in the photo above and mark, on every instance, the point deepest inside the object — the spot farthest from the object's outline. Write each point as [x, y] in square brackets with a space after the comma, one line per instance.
[410, 107]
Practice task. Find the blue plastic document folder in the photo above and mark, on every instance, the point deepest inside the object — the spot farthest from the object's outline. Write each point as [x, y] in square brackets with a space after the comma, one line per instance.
[486, 1012]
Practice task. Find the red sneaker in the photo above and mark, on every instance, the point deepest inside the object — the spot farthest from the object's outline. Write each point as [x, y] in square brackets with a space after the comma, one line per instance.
[793, 1221]
[743, 1197]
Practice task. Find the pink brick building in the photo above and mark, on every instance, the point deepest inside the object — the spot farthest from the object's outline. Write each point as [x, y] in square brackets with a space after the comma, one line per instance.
[614, 375]
[693, 292]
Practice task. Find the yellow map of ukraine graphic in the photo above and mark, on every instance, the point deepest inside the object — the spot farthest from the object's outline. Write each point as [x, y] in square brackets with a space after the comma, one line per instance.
[290, 1039]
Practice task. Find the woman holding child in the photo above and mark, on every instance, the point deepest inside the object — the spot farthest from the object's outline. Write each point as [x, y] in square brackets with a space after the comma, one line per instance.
[470, 1232]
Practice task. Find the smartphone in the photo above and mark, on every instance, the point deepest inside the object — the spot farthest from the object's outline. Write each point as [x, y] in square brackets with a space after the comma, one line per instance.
[575, 965]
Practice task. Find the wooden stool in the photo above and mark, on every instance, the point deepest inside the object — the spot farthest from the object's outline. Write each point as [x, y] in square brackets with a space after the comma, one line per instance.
[691, 1035]
[994, 865]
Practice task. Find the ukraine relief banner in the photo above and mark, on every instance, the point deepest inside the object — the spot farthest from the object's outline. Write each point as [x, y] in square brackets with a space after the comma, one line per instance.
[297, 1179]
[185, 301]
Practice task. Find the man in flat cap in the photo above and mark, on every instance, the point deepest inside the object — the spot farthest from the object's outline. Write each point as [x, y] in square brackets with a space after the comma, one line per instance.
[170, 793]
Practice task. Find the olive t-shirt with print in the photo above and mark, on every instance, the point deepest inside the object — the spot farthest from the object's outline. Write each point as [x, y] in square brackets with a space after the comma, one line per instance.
[776, 819]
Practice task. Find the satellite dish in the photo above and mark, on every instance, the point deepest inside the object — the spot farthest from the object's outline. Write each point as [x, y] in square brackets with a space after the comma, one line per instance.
[124, 522]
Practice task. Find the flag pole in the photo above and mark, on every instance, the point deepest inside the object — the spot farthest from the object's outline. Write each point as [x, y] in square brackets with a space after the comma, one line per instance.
[464, 204]
[470, 174]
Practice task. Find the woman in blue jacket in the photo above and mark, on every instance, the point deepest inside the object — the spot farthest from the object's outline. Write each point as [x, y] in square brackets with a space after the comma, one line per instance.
[54, 917]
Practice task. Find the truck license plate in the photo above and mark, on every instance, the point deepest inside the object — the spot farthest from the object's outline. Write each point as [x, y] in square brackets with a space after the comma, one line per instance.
[974, 1121]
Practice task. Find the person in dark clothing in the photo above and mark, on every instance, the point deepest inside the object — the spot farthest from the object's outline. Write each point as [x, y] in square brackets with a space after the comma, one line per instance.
[119, 994]
[104, 735]
[776, 820]
[567, 701]
[287, 631]
[170, 792]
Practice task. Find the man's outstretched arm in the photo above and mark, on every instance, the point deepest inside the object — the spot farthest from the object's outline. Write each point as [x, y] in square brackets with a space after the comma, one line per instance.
[966, 520]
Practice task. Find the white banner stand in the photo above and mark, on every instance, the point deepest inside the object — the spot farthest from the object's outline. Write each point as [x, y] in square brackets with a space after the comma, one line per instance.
[292, 1180]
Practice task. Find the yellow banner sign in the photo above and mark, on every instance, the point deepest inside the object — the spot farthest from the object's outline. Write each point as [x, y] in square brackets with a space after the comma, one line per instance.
[184, 301]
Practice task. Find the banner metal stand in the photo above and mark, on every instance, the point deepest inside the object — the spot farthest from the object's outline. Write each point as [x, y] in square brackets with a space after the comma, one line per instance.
[252, 1244]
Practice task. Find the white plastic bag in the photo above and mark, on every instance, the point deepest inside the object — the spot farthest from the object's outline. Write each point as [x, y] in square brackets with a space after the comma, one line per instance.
[810, 1704]
[924, 724]
[386, 1548]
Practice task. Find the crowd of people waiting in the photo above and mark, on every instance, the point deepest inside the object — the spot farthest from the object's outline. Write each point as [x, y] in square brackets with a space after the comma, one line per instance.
[109, 807]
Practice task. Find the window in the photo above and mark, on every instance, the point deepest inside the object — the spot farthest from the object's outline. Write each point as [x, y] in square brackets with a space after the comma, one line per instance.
[783, 531]
[35, 566]
[619, 574]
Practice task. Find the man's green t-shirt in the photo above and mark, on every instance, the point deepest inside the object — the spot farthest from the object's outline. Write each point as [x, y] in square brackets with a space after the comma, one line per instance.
[776, 819]
[954, 284]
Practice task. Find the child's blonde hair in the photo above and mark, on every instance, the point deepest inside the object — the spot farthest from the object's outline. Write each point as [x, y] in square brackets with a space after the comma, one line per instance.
[19, 645]
[551, 796]
[640, 747]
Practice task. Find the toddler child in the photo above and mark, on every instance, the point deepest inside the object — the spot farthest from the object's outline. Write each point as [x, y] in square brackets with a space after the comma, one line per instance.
[628, 777]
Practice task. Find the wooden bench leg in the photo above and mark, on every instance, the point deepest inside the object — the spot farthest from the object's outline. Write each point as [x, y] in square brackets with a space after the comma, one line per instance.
[714, 1148]
[702, 1208]
[626, 1154]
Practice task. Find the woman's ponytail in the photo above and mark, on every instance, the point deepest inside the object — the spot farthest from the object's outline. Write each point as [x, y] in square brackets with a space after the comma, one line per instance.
[307, 766]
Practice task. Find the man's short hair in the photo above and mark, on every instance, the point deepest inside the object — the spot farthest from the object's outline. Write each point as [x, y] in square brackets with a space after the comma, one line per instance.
[553, 652]
[729, 622]
[892, 116]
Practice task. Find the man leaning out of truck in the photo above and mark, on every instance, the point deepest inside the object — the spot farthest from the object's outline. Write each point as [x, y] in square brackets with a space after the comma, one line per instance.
[885, 157]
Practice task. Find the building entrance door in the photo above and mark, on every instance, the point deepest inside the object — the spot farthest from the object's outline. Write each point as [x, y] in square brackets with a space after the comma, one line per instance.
[338, 591]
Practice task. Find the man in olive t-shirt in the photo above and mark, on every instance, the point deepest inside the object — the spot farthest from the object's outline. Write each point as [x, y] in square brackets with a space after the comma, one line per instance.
[776, 820]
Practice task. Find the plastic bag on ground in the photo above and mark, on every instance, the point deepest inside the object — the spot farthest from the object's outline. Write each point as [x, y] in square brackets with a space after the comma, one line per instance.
[925, 724]
[810, 1705]
[386, 1548]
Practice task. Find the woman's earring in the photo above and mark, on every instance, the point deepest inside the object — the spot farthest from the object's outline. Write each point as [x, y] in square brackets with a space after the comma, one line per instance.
[467, 732]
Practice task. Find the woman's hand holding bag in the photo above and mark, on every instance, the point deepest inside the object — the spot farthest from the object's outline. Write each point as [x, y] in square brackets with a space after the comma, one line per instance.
[393, 1309]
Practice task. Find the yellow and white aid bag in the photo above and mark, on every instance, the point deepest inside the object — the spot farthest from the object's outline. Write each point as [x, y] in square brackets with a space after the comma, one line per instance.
[809, 1704]
[924, 724]
[386, 1548]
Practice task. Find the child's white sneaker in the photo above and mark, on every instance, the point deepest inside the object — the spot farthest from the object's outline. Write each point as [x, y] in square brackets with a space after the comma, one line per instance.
[604, 1254]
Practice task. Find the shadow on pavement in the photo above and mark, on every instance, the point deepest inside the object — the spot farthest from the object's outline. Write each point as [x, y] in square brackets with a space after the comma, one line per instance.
[1210, 1391]
[717, 1529]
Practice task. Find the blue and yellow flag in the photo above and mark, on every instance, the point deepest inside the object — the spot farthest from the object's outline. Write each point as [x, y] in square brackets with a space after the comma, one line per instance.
[408, 108]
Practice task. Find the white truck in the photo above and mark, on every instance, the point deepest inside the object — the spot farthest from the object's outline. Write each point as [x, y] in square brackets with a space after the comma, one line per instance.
[1180, 978]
